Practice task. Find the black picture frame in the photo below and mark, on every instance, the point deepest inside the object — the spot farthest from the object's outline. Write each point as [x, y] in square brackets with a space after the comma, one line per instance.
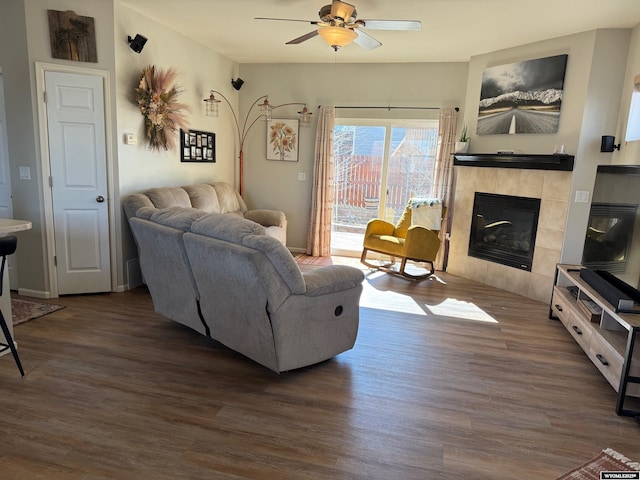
[197, 146]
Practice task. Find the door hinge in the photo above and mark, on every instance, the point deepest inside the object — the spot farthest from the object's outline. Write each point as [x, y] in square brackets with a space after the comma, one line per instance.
[44, 96]
[50, 181]
[55, 260]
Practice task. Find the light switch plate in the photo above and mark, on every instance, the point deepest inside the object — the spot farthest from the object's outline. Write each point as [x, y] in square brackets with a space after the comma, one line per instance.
[130, 139]
[302, 176]
[582, 196]
[25, 173]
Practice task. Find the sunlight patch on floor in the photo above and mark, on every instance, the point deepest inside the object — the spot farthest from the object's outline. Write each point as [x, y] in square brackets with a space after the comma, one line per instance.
[462, 310]
[389, 300]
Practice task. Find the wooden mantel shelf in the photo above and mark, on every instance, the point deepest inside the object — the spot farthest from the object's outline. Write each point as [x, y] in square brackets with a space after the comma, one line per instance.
[529, 161]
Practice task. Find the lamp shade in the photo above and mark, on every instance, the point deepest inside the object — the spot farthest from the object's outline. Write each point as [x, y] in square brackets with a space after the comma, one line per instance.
[211, 106]
[305, 117]
[337, 37]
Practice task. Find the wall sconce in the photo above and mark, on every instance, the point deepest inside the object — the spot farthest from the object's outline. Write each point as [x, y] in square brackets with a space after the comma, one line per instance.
[265, 109]
[137, 43]
[608, 144]
[237, 83]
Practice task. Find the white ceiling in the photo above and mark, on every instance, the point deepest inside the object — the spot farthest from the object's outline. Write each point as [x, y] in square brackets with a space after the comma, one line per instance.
[452, 30]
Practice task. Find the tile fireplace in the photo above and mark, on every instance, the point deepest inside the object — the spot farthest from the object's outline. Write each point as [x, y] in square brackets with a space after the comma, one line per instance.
[546, 178]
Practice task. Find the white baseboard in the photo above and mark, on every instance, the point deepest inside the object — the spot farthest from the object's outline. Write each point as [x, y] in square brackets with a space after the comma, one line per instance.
[34, 293]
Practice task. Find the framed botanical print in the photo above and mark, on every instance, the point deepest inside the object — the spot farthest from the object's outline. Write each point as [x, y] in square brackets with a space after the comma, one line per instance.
[282, 140]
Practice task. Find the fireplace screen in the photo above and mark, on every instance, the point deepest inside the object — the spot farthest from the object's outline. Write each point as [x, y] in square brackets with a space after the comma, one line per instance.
[503, 229]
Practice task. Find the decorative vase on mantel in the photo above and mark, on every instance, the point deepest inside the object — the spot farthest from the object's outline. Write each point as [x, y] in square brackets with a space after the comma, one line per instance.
[462, 147]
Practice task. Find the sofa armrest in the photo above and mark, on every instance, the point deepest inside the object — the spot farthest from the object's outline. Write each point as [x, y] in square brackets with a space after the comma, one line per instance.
[267, 218]
[332, 278]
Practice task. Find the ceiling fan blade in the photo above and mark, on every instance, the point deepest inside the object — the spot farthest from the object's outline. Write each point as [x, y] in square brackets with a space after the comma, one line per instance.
[342, 10]
[312, 22]
[365, 40]
[303, 38]
[391, 24]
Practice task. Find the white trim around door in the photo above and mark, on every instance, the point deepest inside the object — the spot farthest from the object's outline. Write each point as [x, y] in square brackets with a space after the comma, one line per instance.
[41, 68]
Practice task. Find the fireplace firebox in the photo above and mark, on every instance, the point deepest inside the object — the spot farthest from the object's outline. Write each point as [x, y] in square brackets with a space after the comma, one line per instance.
[503, 229]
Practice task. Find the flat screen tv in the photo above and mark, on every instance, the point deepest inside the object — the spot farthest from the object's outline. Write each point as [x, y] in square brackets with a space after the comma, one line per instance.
[612, 239]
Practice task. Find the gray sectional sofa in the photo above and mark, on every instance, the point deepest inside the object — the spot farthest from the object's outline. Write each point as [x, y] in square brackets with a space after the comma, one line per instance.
[225, 277]
[218, 197]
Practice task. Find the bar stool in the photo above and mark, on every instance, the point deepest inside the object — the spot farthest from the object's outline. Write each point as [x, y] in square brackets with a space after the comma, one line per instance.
[8, 245]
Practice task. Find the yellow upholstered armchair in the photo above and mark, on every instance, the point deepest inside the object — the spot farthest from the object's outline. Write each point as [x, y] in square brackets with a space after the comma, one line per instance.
[410, 239]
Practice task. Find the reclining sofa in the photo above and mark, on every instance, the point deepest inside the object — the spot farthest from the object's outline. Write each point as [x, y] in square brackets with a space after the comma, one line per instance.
[219, 197]
[225, 277]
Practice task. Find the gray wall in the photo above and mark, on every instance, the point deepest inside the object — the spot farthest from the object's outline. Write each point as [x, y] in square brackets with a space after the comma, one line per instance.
[593, 81]
[22, 139]
[273, 184]
[199, 70]
[24, 40]
[597, 87]
[629, 152]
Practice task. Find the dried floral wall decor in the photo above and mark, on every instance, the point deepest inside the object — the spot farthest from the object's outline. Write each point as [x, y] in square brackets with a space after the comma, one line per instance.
[157, 98]
[72, 37]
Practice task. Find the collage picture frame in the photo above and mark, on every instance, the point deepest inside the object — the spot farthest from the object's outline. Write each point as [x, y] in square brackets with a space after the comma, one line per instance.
[197, 146]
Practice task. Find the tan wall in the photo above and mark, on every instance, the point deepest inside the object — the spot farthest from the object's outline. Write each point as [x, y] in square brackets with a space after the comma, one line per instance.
[593, 80]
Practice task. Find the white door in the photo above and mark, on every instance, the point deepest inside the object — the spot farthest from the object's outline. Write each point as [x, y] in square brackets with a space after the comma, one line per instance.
[6, 206]
[77, 151]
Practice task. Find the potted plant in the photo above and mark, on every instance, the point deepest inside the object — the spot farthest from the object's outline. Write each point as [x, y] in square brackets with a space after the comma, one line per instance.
[462, 146]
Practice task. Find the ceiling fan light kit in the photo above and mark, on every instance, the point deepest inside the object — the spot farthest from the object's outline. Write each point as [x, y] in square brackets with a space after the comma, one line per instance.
[339, 26]
[337, 37]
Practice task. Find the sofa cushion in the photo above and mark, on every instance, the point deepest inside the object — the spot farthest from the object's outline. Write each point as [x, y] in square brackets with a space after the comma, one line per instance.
[177, 217]
[203, 197]
[226, 227]
[227, 198]
[135, 202]
[165, 197]
[145, 212]
[281, 259]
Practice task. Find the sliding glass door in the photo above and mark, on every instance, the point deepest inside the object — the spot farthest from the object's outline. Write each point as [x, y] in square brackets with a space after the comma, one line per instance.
[379, 166]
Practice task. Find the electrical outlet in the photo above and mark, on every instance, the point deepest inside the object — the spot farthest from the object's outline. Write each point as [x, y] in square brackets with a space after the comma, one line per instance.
[302, 176]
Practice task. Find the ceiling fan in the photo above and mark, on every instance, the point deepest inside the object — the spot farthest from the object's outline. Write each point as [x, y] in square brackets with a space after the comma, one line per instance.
[339, 26]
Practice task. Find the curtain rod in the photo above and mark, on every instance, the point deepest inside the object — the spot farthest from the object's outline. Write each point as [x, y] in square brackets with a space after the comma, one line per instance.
[457, 109]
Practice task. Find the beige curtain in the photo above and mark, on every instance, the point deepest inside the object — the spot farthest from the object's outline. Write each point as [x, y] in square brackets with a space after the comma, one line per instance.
[443, 178]
[319, 239]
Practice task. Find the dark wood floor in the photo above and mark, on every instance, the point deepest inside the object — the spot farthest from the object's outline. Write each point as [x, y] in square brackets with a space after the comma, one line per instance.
[449, 379]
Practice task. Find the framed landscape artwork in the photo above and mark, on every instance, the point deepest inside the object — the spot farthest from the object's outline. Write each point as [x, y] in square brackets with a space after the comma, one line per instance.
[522, 97]
[282, 140]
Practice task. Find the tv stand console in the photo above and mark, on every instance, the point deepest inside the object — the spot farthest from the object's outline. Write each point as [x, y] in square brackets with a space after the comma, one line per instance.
[607, 337]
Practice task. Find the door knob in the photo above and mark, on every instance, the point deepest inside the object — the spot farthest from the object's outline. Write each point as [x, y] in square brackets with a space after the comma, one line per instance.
[99, 199]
